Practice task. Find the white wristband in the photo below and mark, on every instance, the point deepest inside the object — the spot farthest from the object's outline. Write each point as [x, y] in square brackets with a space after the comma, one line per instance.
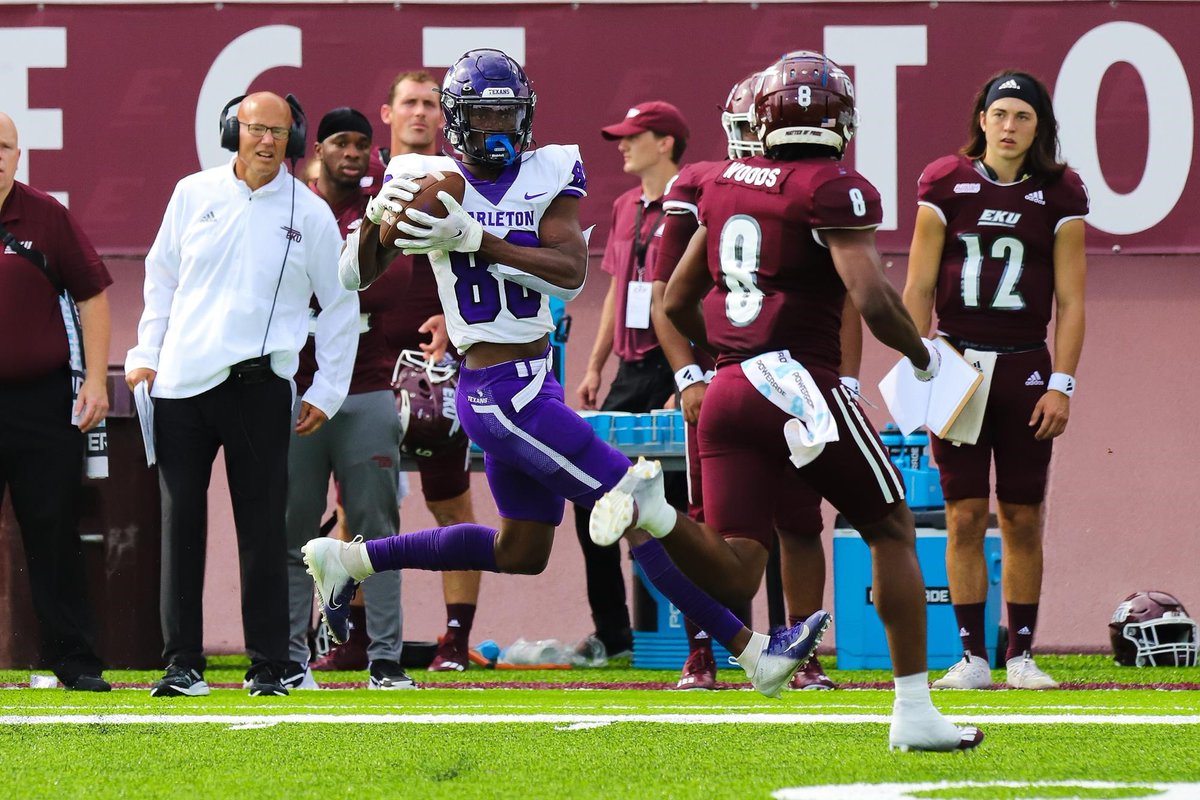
[851, 383]
[1062, 382]
[688, 375]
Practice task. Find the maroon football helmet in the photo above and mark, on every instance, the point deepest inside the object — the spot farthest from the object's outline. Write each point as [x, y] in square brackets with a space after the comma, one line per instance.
[804, 98]
[1153, 629]
[425, 403]
[736, 119]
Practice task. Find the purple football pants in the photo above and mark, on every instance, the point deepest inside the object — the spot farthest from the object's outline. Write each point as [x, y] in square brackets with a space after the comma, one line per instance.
[538, 450]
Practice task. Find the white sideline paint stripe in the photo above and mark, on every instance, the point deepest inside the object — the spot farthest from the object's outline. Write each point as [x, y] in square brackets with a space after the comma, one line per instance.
[580, 719]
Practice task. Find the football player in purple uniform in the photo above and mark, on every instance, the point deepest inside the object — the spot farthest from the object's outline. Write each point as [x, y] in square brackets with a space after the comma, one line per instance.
[998, 246]
[539, 452]
[801, 550]
[793, 232]
[414, 116]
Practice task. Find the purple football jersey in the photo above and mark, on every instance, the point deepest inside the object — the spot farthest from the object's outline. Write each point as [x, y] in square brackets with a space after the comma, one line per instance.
[775, 284]
[996, 280]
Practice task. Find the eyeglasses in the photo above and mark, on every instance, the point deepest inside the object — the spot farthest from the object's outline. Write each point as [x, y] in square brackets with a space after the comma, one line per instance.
[259, 131]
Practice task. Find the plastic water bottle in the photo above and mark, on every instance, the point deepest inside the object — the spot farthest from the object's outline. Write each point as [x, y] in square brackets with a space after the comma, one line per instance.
[543, 651]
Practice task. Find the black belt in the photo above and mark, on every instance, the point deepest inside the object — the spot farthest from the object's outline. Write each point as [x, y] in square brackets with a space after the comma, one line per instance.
[963, 344]
[252, 370]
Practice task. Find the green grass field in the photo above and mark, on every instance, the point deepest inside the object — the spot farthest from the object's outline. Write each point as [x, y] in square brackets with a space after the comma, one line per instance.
[459, 738]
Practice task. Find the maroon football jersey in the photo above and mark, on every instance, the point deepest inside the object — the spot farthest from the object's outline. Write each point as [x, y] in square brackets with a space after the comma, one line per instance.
[680, 203]
[996, 279]
[775, 284]
[374, 360]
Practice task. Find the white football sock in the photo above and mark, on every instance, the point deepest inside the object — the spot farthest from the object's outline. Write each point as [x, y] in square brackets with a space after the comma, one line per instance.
[749, 657]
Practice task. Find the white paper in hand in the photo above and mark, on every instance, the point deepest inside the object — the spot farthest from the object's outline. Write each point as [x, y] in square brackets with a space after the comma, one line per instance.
[935, 404]
[145, 412]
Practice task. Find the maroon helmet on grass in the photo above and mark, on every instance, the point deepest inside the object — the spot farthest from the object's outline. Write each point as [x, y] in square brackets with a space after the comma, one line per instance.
[1153, 629]
[425, 402]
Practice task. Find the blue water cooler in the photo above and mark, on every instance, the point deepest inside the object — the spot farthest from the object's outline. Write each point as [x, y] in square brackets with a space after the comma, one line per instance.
[861, 643]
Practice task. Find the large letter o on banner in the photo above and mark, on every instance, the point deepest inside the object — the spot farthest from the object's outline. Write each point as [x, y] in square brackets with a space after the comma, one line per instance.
[1169, 113]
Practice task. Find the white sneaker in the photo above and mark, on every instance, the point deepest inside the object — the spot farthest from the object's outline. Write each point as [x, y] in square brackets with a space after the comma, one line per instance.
[924, 728]
[970, 673]
[1024, 674]
[639, 496]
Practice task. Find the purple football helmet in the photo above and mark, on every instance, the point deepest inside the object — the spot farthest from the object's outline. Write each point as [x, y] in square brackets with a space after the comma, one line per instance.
[1153, 629]
[488, 102]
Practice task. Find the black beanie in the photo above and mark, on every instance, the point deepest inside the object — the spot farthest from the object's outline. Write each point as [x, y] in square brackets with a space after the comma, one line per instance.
[342, 120]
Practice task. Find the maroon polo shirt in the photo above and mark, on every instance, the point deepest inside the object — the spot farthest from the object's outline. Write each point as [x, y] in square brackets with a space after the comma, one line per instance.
[621, 261]
[33, 341]
[374, 360]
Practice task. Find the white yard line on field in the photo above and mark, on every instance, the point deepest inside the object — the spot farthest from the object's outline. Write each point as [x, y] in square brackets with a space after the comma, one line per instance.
[575, 720]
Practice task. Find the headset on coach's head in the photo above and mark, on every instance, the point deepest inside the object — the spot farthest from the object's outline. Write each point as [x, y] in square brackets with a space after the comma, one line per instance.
[296, 138]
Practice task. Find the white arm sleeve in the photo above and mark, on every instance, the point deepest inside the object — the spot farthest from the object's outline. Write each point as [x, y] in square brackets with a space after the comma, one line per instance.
[162, 279]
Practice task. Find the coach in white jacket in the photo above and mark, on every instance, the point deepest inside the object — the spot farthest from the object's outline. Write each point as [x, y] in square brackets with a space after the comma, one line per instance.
[242, 249]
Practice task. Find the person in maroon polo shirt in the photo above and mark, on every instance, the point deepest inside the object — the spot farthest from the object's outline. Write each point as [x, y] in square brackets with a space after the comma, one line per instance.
[360, 447]
[651, 139]
[41, 447]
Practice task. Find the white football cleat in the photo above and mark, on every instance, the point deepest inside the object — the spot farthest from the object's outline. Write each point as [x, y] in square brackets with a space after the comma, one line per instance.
[784, 653]
[638, 500]
[926, 729]
[335, 586]
[970, 673]
[1022, 673]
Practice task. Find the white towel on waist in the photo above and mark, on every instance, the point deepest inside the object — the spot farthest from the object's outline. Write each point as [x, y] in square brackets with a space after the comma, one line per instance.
[786, 383]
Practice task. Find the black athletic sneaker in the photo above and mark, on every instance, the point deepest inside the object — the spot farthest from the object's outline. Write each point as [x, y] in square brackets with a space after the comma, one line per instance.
[179, 681]
[265, 680]
[88, 683]
[389, 675]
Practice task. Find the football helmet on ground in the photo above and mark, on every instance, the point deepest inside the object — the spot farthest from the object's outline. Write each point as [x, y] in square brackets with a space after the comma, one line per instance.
[488, 102]
[425, 402]
[1153, 629]
[804, 98]
[736, 119]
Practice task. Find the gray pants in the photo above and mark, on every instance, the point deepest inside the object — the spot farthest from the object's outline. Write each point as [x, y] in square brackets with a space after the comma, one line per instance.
[360, 447]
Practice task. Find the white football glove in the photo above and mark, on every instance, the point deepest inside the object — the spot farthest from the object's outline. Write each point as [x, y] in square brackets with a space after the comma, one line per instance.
[459, 231]
[392, 197]
[935, 362]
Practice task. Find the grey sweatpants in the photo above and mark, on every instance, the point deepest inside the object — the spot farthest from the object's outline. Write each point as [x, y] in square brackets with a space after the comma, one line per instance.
[360, 447]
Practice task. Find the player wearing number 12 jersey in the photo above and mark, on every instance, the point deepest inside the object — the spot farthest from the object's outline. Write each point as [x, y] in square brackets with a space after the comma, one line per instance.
[515, 239]
[783, 237]
[998, 246]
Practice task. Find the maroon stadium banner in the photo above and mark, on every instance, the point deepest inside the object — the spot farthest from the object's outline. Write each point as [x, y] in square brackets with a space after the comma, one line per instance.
[115, 103]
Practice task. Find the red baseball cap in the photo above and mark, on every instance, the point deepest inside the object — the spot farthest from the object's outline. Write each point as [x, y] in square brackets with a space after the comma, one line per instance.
[656, 115]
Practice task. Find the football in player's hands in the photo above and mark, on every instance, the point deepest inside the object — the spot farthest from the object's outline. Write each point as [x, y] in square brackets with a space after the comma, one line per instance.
[425, 199]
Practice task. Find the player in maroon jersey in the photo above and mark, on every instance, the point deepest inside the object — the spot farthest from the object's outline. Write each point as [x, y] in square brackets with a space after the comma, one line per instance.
[998, 246]
[793, 232]
[801, 550]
